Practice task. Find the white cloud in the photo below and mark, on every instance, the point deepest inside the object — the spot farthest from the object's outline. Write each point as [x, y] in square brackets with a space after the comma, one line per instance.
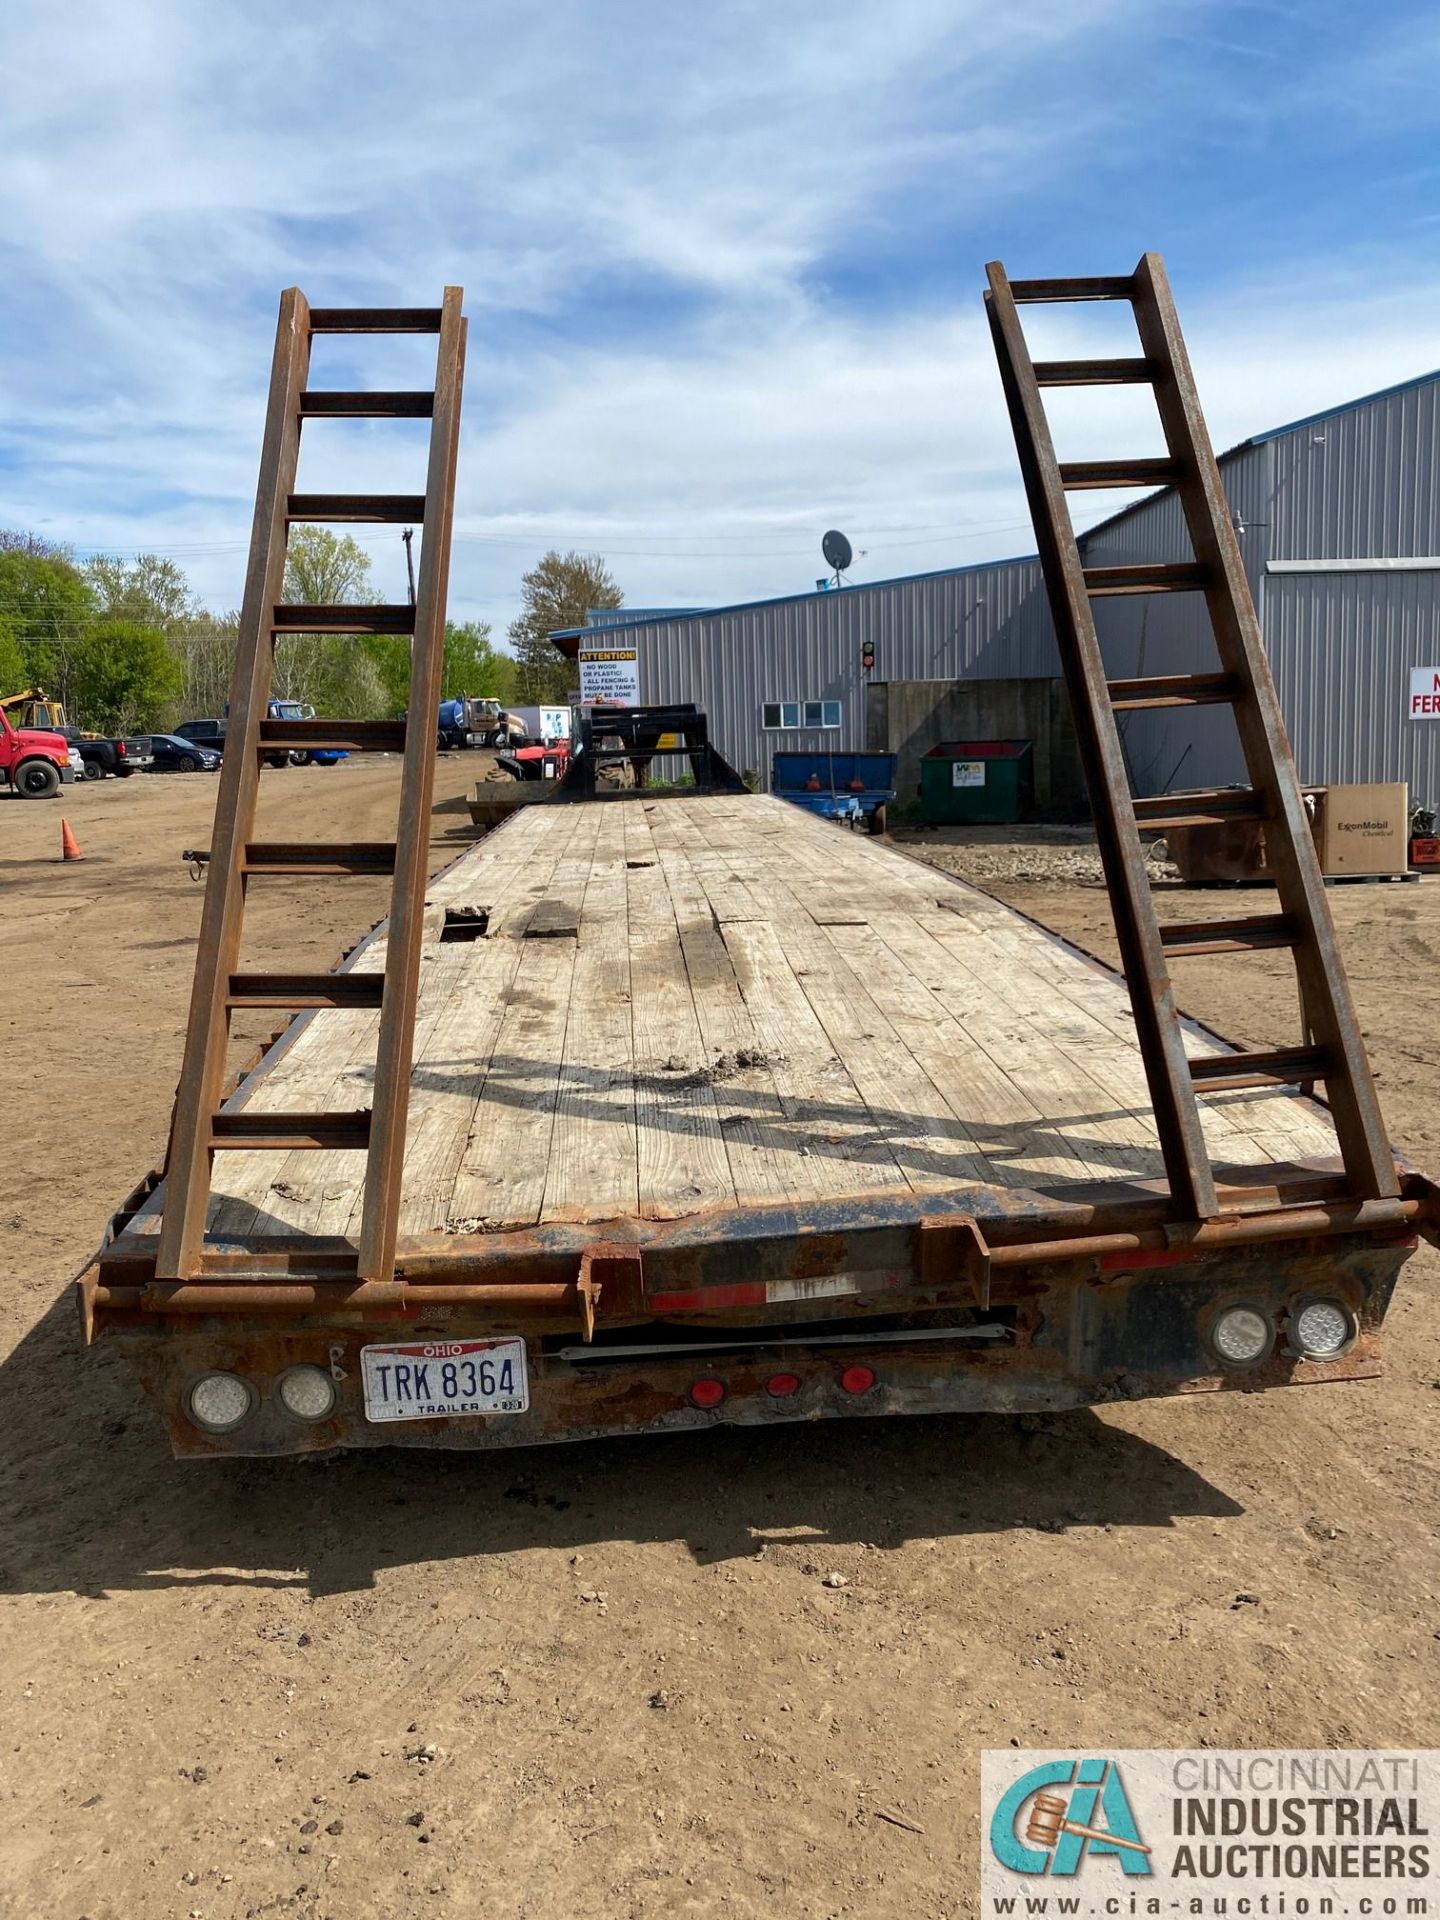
[646, 204]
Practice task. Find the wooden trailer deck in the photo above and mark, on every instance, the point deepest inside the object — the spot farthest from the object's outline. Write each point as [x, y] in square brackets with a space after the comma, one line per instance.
[683, 1005]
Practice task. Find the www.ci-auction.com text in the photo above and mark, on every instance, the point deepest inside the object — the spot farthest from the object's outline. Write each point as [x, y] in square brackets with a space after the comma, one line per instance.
[1211, 1906]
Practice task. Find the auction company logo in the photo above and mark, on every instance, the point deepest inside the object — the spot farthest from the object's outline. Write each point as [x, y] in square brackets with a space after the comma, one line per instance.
[1060, 1801]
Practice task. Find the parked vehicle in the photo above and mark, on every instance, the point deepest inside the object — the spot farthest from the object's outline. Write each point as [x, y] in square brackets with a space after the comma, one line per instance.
[205, 733]
[536, 762]
[172, 754]
[100, 755]
[300, 756]
[211, 734]
[467, 722]
[1022, 1275]
[34, 761]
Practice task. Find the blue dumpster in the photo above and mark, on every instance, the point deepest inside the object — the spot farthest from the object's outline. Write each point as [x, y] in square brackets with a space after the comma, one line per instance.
[854, 787]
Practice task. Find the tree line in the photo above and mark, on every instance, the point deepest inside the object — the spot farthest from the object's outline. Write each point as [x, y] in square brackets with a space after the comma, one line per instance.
[128, 647]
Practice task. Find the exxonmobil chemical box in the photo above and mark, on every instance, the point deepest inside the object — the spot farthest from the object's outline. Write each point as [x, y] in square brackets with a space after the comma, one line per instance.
[1365, 829]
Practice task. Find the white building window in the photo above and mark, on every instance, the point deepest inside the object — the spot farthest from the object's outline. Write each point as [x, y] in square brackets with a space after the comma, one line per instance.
[778, 716]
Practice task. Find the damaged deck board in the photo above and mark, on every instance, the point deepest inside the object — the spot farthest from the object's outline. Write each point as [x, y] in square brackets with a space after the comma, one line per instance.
[686, 1004]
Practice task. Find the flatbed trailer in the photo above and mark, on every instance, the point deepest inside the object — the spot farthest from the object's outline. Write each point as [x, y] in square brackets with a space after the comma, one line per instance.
[717, 1115]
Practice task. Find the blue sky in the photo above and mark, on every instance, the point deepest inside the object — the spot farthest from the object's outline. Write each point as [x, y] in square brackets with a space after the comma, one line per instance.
[723, 266]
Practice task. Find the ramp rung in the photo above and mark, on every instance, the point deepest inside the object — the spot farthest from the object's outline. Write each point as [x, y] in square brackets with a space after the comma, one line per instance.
[306, 989]
[1182, 939]
[387, 509]
[1169, 576]
[292, 617]
[329, 404]
[1076, 476]
[375, 319]
[1093, 373]
[318, 857]
[1172, 690]
[258, 1132]
[1280, 1066]
[1028, 293]
[343, 736]
[1199, 809]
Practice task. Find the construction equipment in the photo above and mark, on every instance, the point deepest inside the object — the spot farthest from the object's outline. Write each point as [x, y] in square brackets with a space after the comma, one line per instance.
[202, 1126]
[34, 708]
[1331, 1048]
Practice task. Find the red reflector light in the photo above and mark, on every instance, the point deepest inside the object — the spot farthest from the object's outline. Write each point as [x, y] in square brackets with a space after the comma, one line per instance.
[707, 1393]
[857, 1379]
[780, 1386]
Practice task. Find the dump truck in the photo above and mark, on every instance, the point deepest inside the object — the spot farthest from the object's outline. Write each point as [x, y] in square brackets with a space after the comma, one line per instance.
[666, 1106]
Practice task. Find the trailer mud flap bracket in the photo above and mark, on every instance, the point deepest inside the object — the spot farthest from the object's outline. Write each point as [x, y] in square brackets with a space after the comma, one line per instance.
[619, 1269]
[949, 1246]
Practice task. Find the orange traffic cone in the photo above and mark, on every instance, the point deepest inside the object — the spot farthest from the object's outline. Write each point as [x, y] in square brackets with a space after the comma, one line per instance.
[69, 845]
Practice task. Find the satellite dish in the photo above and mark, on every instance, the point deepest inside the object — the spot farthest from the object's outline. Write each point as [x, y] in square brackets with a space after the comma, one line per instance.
[836, 549]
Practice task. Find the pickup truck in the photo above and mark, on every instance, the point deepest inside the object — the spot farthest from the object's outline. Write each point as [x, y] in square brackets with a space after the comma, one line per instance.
[119, 757]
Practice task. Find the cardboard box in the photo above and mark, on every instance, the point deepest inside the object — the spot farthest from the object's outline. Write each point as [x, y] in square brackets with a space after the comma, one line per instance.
[1365, 829]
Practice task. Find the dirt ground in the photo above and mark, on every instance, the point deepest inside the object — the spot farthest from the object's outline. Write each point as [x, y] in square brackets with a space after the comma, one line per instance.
[614, 1679]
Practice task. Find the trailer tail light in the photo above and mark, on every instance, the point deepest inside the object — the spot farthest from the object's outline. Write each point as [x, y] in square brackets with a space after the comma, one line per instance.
[707, 1393]
[308, 1393]
[857, 1379]
[780, 1386]
[1321, 1329]
[1242, 1336]
[219, 1402]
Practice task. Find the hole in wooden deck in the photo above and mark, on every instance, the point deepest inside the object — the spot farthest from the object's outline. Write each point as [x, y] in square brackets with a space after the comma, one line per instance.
[465, 923]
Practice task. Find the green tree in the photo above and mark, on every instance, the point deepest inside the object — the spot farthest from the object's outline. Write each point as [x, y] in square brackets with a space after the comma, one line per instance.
[324, 569]
[343, 677]
[122, 675]
[12, 659]
[556, 593]
[45, 604]
[204, 650]
[148, 591]
[474, 665]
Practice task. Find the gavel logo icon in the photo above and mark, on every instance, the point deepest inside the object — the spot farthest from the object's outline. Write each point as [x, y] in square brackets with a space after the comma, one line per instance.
[1047, 1822]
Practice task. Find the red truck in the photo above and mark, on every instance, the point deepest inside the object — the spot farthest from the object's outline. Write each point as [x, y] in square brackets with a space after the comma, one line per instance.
[33, 760]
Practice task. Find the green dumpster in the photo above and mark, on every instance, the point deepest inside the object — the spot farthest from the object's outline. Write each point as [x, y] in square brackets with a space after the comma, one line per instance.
[977, 781]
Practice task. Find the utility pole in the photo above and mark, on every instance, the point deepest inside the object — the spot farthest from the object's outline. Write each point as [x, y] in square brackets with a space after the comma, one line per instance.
[407, 536]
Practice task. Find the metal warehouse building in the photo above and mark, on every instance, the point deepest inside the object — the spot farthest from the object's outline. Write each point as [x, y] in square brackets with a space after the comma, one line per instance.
[1339, 522]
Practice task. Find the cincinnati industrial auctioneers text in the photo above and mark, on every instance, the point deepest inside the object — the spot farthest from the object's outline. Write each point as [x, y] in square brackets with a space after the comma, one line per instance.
[1276, 1834]
[1330, 1817]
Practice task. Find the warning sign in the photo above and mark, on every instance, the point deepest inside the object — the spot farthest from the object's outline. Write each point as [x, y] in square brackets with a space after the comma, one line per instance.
[1425, 693]
[611, 674]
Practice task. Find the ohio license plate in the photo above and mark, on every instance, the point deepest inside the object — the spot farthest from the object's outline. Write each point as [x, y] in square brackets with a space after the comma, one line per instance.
[439, 1379]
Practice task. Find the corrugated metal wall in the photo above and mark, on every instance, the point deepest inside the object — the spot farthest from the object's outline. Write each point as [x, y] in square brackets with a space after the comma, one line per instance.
[1359, 484]
[982, 623]
[1169, 633]
[1341, 646]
